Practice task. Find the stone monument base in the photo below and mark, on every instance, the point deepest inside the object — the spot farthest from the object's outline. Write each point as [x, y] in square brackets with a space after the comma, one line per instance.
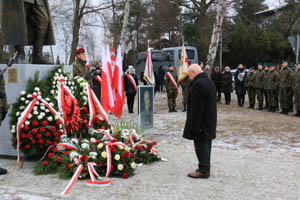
[16, 79]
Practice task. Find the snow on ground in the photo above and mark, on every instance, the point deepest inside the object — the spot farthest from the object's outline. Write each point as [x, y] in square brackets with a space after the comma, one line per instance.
[256, 156]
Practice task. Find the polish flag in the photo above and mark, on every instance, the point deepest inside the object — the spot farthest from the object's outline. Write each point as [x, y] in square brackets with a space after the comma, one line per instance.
[118, 85]
[113, 58]
[106, 90]
[109, 65]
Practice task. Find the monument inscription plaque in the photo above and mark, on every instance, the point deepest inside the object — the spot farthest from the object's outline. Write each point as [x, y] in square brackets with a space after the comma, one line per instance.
[12, 75]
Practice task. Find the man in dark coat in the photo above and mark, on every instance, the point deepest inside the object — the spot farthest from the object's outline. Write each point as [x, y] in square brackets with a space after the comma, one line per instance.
[227, 85]
[216, 77]
[130, 87]
[201, 118]
[27, 22]
[97, 82]
[239, 79]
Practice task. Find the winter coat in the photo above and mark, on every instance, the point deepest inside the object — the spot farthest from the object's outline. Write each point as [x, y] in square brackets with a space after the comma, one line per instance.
[217, 79]
[227, 82]
[128, 87]
[240, 88]
[97, 86]
[201, 120]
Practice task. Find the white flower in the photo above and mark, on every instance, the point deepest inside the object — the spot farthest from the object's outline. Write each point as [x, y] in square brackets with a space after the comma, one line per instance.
[117, 157]
[66, 78]
[60, 125]
[73, 83]
[56, 118]
[47, 99]
[74, 141]
[35, 108]
[53, 82]
[120, 167]
[29, 95]
[35, 112]
[40, 117]
[22, 107]
[93, 140]
[93, 155]
[13, 130]
[52, 91]
[69, 82]
[43, 107]
[85, 146]
[100, 145]
[104, 154]
[50, 119]
[133, 165]
[22, 92]
[22, 99]
[72, 88]
[17, 114]
[120, 147]
[84, 98]
[59, 70]
[47, 110]
[39, 97]
[29, 116]
[56, 74]
[73, 154]
[37, 103]
[42, 114]
[13, 126]
[26, 102]
[27, 122]
[37, 89]
[84, 141]
[51, 104]
[126, 148]
[55, 78]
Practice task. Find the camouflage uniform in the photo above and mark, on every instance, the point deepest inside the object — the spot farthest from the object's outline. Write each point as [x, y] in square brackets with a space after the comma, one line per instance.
[80, 69]
[286, 78]
[291, 94]
[3, 99]
[266, 88]
[259, 87]
[297, 92]
[249, 84]
[273, 89]
[171, 91]
[185, 84]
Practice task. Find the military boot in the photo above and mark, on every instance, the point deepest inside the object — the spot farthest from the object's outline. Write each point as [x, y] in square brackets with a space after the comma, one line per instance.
[284, 112]
[297, 114]
[38, 57]
[170, 109]
[184, 108]
[260, 107]
[2, 171]
[174, 110]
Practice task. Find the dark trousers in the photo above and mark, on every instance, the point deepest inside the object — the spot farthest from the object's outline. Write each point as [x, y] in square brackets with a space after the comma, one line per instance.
[227, 98]
[218, 94]
[130, 102]
[266, 98]
[241, 100]
[203, 152]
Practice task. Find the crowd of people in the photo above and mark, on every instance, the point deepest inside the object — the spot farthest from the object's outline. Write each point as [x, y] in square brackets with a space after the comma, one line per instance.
[275, 87]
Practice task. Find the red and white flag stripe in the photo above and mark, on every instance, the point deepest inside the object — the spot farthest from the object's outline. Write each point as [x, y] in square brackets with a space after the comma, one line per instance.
[173, 81]
[132, 81]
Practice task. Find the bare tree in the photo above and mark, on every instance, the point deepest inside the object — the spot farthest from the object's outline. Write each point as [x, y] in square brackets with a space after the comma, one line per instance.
[124, 32]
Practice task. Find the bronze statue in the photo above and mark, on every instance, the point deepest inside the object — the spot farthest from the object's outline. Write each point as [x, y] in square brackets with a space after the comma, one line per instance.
[27, 22]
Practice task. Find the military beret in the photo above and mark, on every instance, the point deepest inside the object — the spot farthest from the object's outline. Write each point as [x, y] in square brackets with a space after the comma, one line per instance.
[284, 60]
[79, 51]
[200, 63]
[98, 68]
[259, 63]
[290, 66]
[171, 65]
[251, 68]
[271, 64]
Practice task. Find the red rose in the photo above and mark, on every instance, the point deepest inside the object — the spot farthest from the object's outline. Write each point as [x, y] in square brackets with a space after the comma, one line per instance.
[112, 167]
[85, 109]
[34, 131]
[53, 128]
[60, 132]
[103, 127]
[101, 165]
[35, 123]
[33, 141]
[132, 155]
[98, 121]
[138, 148]
[26, 128]
[113, 149]
[149, 148]
[134, 138]
[86, 122]
[29, 136]
[38, 136]
[66, 153]
[40, 141]
[56, 134]
[125, 143]
[48, 134]
[125, 154]
[87, 126]
[23, 135]
[125, 175]
[68, 166]
[45, 162]
[49, 142]
[84, 158]
[45, 123]
[85, 117]
[154, 143]
[58, 159]
[27, 146]
[41, 146]
[50, 155]
[114, 140]
[55, 150]
[58, 122]
[114, 135]
[42, 129]
[98, 141]
[14, 139]
[57, 138]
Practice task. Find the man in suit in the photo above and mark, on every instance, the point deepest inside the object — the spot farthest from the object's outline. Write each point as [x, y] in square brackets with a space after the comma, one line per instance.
[130, 87]
[27, 22]
[201, 118]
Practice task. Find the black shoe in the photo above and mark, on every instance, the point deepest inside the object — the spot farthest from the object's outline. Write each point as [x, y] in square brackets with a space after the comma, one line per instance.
[260, 108]
[2, 171]
[170, 110]
[174, 110]
[284, 112]
[297, 114]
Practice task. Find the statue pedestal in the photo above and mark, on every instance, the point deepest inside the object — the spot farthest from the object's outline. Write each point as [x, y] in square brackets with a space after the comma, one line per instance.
[16, 79]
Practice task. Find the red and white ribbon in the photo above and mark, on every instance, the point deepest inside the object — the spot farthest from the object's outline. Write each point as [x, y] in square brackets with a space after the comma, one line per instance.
[24, 116]
[173, 81]
[98, 79]
[132, 81]
[73, 180]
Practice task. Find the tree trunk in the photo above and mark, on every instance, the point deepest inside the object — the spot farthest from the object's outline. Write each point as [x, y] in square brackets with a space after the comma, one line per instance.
[124, 32]
[215, 38]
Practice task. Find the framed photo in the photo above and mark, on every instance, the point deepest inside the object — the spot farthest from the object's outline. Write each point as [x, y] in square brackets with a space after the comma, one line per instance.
[145, 107]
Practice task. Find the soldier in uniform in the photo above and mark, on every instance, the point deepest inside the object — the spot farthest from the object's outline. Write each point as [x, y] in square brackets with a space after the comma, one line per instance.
[291, 93]
[171, 89]
[286, 78]
[185, 84]
[265, 85]
[297, 90]
[273, 88]
[3, 108]
[249, 84]
[258, 85]
[27, 22]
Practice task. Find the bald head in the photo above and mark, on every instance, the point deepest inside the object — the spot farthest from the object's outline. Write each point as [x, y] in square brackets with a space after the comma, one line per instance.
[194, 70]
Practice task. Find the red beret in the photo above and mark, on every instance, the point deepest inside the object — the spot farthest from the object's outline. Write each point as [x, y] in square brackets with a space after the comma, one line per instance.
[79, 51]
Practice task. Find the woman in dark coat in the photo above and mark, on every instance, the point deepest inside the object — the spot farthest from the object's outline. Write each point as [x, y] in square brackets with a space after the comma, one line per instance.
[227, 85]
[216, 77]
[239, 79]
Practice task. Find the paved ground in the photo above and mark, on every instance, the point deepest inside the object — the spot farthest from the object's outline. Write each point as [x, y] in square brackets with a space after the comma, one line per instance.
[256, 156]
